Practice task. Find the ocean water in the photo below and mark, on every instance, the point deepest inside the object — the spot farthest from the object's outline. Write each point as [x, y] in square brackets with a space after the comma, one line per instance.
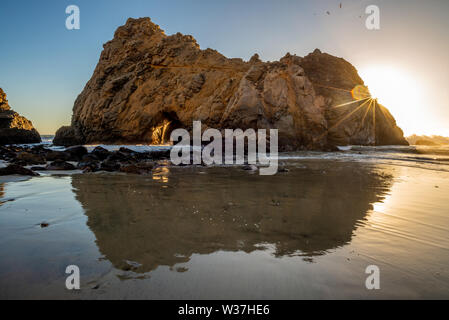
[224, 233]
[420, 156]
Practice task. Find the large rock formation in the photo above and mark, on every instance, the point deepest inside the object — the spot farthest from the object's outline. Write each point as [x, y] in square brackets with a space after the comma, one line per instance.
[15, 129]
[147, 83]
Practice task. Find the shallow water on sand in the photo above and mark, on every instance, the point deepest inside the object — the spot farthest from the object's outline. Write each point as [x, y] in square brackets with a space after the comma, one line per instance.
[211, 233]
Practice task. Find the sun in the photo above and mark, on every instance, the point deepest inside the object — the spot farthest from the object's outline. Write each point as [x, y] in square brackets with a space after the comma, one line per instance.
[400, 93]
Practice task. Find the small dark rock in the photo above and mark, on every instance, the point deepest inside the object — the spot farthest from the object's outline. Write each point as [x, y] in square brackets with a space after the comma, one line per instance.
[31, 158]
[125, 150]
[89, 165]
[60, 165]
[100, 152]
[110, 165]
[117, 156]
[77, 152]
[16, 169]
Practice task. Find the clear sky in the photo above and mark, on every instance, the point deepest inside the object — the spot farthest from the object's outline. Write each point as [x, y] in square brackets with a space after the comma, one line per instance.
[44, 66]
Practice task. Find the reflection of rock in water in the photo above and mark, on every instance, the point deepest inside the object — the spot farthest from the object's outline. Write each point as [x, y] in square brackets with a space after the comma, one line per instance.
[2, 193]
[163, 222]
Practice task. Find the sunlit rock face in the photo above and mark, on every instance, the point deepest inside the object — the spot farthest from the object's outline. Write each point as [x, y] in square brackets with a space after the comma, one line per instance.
[147, 83]
[15, 129]
[177, 212]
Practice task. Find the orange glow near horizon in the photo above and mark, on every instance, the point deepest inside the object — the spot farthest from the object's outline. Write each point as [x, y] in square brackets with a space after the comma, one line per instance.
[403, 95]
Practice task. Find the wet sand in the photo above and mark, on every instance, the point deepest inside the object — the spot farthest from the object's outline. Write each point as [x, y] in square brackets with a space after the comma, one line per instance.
[225, 233]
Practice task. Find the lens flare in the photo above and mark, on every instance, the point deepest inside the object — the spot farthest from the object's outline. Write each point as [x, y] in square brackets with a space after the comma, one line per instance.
[360, 92]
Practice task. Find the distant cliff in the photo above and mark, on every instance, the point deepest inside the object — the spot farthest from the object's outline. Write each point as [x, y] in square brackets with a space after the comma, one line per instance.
[147, 83]
[15, 129]
[428, 140]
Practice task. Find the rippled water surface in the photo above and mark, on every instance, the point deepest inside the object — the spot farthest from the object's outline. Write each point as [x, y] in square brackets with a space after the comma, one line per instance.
[218, 232]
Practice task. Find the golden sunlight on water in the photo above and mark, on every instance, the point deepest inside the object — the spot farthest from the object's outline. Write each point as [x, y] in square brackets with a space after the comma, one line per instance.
[414, 210]
[161, 174]
[408, 231]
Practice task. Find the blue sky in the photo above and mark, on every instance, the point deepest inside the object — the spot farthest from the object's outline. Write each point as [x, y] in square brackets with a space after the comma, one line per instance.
[44, 66]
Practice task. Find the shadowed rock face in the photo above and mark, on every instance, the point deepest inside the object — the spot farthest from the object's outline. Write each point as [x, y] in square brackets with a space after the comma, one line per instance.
[147, 83]
[66, 136]
[372, 124]
[161, 220]
[15, 129]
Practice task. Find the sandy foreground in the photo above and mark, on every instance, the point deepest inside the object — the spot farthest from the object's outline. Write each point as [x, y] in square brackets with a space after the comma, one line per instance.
[225, 233]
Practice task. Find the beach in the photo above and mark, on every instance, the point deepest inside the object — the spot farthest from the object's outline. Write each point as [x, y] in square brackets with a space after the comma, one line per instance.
[219, 232]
